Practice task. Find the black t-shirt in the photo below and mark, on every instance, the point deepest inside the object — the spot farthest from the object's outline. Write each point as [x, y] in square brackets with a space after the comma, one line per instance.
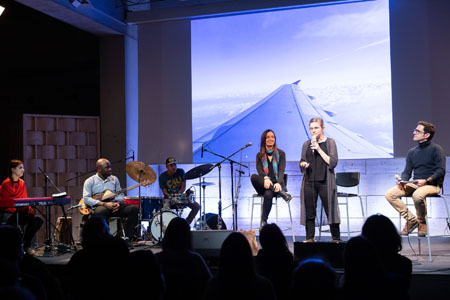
[271, 171]
[318, 167]
[172, 183]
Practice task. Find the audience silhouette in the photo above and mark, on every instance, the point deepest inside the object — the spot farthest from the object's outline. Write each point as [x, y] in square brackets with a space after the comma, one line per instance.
[314, 278]
[274, 260]
[105, 268]
[102, 268]
[148, 282]
[364, 274]
[13, 279]
[384, 236]
[185, 271]
[236, 277]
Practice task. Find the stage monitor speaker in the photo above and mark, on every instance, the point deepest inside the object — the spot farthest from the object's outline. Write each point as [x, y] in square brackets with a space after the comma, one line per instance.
[211, 221]
[209, 242]
[331, 252]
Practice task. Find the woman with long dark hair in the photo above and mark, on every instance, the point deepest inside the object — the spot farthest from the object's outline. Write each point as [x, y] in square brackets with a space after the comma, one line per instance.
[270, 164]
[14, 187]
[319, 158]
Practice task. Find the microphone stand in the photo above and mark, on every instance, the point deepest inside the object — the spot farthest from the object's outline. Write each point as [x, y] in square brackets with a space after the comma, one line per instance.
[48, 241]
[234, 204]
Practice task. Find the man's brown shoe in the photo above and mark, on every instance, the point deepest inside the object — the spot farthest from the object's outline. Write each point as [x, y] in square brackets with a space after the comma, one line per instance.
[422, 230]
[409, 227]
[308, 241]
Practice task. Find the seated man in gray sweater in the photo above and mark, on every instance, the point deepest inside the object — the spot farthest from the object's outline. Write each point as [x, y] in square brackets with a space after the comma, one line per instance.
[426, 163]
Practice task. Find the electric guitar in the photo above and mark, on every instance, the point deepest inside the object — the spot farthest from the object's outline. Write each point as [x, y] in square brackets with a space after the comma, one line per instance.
[87, 210]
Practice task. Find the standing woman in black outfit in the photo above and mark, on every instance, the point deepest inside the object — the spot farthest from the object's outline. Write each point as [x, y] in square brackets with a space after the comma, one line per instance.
[270, 164]
[319, 158]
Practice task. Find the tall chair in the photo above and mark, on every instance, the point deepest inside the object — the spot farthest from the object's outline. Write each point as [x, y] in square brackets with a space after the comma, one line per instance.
[347, 180]
[428, 209]
[259, 199]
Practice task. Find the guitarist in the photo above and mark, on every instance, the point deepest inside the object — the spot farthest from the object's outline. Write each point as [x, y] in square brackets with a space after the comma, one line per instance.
[426, 162]
[98, 193]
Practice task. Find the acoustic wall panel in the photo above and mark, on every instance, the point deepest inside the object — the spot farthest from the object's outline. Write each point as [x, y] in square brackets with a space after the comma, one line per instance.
[64, 148]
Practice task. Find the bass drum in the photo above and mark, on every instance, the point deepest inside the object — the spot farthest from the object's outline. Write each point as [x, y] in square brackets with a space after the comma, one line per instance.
[164, 216]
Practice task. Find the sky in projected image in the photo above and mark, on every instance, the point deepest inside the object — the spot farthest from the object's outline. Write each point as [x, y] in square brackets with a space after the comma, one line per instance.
[341, 54]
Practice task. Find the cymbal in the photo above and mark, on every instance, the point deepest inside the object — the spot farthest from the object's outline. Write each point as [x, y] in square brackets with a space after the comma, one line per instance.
[199, 171]
[204, 183]
[134, 168]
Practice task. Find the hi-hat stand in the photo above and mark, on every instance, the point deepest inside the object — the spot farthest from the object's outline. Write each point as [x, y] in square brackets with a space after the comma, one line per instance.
[198, 172]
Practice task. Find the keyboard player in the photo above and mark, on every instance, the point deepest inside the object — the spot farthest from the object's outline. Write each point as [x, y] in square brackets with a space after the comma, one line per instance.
[14, 187]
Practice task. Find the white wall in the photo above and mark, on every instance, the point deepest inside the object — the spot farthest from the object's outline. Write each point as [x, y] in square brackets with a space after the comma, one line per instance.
[165, 116]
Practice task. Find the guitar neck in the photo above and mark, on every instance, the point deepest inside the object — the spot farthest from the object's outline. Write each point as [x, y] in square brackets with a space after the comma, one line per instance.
[100, 196]
[128, 188]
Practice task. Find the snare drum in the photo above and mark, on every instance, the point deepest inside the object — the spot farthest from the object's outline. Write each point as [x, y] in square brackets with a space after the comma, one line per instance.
[181, 199]
[164, 216]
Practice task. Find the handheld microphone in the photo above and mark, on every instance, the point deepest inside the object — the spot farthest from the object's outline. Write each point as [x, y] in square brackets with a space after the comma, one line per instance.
[202, 150]
[313, 140]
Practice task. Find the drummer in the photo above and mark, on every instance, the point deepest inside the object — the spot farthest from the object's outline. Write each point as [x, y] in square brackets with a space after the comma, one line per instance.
[173, 181]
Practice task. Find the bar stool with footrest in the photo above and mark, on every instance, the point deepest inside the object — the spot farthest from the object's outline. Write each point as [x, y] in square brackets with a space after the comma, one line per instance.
[259, 201]
[347, 180]
[427, 210]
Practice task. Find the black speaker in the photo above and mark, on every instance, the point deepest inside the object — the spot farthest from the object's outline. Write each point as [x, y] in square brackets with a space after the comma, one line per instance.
[209, 242]
[331, 252]
[211, 221]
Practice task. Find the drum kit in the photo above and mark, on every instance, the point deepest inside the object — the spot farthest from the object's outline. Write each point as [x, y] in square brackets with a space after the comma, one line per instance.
[153, 209]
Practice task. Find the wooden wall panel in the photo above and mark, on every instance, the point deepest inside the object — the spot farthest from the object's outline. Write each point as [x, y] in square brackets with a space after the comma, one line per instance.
[64, 147]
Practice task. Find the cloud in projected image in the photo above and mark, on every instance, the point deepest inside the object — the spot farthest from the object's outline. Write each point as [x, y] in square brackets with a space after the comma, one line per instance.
[340, 52]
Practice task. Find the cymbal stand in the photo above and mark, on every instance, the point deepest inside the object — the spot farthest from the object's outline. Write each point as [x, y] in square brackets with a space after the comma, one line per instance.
[141, 207]
[234, 203]
[161, 225]
[201, 184]
[202, 224]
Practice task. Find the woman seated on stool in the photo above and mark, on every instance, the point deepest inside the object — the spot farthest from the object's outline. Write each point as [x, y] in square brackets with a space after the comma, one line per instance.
[270, 164]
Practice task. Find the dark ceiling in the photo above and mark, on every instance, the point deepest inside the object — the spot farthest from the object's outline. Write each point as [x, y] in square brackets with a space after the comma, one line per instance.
[112, 17]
